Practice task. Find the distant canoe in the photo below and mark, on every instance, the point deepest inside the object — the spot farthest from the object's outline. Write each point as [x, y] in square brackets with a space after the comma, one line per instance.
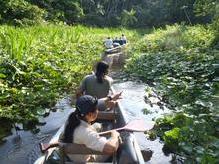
[115, 56]
[115, 49]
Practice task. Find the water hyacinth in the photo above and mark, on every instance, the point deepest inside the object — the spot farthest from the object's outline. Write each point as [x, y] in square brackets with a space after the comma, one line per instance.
[183, 64]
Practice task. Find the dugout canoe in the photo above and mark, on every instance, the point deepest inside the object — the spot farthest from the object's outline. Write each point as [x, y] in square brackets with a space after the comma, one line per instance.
[129, 153]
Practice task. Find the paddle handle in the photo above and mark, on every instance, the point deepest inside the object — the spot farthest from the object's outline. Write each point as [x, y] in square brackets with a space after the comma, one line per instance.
[109, 131]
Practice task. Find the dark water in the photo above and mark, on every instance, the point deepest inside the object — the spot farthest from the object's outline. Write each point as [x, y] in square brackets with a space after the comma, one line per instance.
[24, 149]
[134, 104]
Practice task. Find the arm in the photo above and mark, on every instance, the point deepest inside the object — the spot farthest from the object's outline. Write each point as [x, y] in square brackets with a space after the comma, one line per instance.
[80, 91]
[113, 143]
[111, 101]
[45, 146]
[91, 139]
[114, 97]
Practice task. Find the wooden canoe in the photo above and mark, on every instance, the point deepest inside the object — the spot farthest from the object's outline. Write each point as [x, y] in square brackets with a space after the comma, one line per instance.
[130, 150]
[115, 56]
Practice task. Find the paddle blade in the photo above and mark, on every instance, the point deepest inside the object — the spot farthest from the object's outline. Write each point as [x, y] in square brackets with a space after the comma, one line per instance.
[135, 125]
[139, 125]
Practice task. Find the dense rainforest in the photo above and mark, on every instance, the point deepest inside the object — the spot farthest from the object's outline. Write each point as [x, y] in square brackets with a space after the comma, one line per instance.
[131, 13]
[48, 46]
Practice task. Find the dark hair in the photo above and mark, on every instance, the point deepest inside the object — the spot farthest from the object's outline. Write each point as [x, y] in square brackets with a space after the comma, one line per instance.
[101, 70]
[84, 105]
[73, 122]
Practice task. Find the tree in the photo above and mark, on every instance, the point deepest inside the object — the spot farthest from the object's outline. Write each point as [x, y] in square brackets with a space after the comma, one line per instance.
[128, 18]
[206, 7]
[20, 12]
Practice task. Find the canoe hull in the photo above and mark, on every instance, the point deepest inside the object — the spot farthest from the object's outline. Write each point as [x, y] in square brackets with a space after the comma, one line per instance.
[129, 151]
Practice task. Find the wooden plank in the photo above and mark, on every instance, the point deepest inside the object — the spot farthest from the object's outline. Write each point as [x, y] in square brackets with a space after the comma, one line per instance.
[106, 115]
[91, 163]
[115, 49]
[72, 148]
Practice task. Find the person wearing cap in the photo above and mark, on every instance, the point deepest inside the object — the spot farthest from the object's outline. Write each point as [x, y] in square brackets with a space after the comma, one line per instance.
[78, 129]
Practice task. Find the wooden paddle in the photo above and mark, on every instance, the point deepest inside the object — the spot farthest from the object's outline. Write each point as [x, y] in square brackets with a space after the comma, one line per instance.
[135, 125]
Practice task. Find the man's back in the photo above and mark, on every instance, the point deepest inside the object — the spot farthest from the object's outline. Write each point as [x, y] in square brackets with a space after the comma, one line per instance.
[93, 88]
[108, 43]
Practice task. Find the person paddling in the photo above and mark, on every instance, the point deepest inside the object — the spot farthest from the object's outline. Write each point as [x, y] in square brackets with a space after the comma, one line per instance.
[78, 129]
[97, 84]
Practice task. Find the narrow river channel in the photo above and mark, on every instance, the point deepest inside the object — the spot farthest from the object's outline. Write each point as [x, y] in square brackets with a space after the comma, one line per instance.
[23, 148]
[134, 105]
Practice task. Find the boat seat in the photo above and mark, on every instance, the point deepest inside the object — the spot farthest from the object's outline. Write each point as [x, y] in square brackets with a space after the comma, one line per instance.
[99, 162]
[115, 54]
[72, 148]
[92, 163]
[113, 50]
[106, 115]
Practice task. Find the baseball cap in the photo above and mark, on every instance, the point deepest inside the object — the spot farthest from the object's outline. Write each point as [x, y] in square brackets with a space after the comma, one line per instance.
[86, 104]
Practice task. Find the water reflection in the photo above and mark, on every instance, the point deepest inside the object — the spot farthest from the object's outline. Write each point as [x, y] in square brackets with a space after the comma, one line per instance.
[134, 104]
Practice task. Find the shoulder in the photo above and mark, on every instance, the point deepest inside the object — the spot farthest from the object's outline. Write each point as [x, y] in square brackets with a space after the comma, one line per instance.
[89, 137]
[91, 76]
[87, 76]
[82, 132]
[109, 79]
[86, 134]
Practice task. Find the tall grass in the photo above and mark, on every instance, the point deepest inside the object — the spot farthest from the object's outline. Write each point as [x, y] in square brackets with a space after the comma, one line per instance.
[176, 37]
[40, 64]
[15, 43]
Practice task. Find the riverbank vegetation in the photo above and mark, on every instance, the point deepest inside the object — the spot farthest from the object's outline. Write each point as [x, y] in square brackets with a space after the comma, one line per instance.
[41, 64]
[47, 46]
[127, 13]
[181, 63]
